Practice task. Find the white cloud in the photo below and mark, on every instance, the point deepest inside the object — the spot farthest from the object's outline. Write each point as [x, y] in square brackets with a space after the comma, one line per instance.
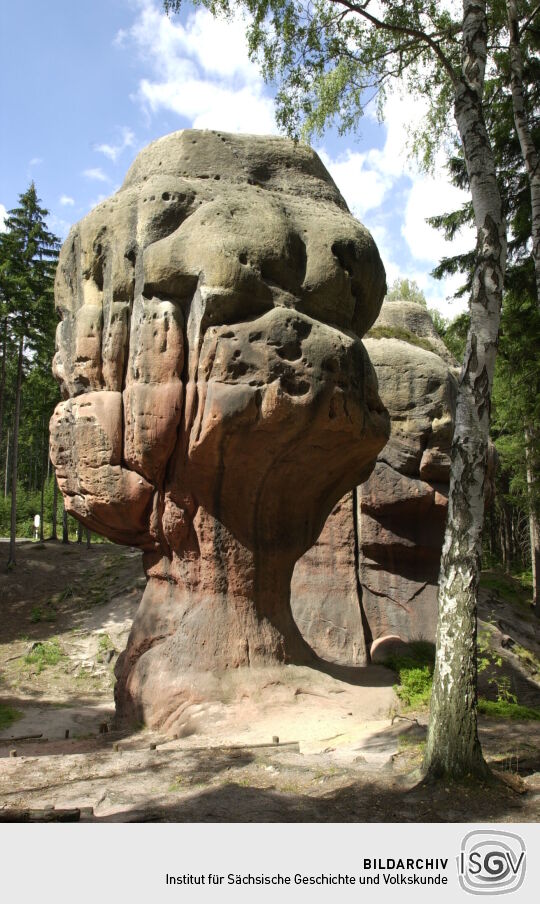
[120, 37]
[59, 226]
[113, 151]
[438, 293]
[363, 186]
[430, 196]
[35, 161]
[366, 178]
[200, 70]
[387, 184]
[96, 173]
[66, 201]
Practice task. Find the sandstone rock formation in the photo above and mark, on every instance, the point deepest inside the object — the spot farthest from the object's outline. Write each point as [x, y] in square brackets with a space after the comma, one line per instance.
[351, 601]
[218, 401]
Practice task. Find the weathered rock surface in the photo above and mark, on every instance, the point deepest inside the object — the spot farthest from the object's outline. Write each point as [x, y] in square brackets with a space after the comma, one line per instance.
[218, 400]
[393, 524]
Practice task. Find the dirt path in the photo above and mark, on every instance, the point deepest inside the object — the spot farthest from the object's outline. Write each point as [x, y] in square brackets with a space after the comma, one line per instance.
[341, 755]
[66, 615]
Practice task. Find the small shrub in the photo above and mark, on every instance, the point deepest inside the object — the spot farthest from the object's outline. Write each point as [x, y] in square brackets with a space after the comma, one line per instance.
[44, 654]
[415, 671]
[42, 614]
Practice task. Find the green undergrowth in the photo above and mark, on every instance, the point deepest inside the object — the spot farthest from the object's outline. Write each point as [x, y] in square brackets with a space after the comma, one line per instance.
[397, 332]
[44, 654]
[507, 709]
[8, 716]
[415, 673]
[45, 613]
[513, 588]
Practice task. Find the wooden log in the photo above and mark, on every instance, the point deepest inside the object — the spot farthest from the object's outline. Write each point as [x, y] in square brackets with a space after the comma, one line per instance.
[24, 737]
[40, 815]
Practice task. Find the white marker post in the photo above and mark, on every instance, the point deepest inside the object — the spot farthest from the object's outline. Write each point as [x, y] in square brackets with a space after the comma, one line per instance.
[37, 522]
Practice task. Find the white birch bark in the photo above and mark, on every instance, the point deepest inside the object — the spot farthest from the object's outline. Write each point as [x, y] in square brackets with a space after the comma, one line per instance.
[453, 748]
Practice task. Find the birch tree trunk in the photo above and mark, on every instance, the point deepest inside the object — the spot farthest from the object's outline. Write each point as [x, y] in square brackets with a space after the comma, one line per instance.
[14, 459]
[453, 748]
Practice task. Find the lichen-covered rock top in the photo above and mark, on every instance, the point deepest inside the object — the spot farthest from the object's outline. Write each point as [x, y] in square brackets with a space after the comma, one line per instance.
[267, 162]
[414, 318]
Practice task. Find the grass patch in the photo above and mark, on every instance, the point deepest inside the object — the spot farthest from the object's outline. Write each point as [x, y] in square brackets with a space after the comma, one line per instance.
[527, 657]
[43, 613]
[406, 742]
[45, 654]
[415, 673]
[8, 716]
[507, 709]
[397, 332]
[104, 645]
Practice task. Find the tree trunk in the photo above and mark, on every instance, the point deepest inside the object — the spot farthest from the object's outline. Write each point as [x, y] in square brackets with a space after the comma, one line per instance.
[534, 528]
[493, 529]
[3, 378]
[453, 748]
[55, 510]
[14, 458]
[88, 538]
[508, 554]
[65, 532]
[42, 501]
[79, 532]
[6, 475]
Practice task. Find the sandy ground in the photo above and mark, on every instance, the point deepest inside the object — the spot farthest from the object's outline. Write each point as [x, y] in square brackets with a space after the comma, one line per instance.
[343, 750]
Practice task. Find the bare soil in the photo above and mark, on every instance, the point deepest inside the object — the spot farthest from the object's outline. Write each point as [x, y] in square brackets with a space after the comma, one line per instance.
[345, 752]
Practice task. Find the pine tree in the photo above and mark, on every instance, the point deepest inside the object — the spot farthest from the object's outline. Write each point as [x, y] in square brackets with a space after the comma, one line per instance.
[28, 255]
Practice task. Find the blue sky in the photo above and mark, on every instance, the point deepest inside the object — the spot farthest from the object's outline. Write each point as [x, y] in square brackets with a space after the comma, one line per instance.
[88, 84]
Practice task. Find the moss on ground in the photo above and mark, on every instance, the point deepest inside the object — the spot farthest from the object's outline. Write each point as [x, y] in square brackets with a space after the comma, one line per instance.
[507, 709]
[515, 589]
[8, 715]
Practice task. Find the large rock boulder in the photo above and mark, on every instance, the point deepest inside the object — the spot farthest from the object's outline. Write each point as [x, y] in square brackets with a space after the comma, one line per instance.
[218, 401]
[373, 573]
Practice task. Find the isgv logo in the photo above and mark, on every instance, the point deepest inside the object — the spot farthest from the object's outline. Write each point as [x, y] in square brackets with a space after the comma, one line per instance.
[491, 862]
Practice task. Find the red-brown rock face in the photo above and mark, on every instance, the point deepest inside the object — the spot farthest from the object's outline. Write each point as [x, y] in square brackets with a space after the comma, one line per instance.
[384, 585]
[218, 400]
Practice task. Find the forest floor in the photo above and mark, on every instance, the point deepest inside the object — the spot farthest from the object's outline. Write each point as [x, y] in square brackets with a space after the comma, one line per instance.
[345, 754]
